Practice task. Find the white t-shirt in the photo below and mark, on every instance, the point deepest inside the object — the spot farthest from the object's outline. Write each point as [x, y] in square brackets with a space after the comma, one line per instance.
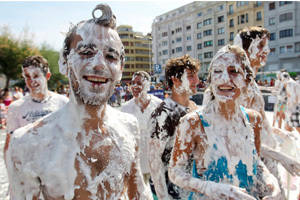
[26, 110]
[144, 119]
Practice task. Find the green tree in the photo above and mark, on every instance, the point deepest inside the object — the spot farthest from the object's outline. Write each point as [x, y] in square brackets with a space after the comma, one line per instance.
[12, 53]
[57, 79]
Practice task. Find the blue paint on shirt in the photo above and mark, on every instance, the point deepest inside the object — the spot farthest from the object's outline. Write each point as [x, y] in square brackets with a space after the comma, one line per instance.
[245, 180]
[218, 171]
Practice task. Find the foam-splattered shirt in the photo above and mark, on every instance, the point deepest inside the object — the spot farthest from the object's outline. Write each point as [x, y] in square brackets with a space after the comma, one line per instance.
[26, 110]
[145, 128]
[164, 120]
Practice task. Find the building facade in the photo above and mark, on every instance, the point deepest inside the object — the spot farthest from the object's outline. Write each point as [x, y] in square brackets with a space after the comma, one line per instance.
[282, 19]
[197, 29]
[138, 53]
[243, 13]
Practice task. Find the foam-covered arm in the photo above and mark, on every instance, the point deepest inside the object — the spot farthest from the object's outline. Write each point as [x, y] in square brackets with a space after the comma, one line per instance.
[156, 148]
[290, 164]
[24, 183]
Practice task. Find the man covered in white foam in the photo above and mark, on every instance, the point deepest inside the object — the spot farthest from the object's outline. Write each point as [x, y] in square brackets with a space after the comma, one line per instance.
[223, 139]
[292, 89]
[40, 101]
[86, 150]
[254, 40]
[182, 76]
[141, 106]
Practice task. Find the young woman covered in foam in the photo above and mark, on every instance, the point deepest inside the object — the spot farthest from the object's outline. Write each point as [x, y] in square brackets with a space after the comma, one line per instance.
[87, 150]
[223, 139]
[254, 40]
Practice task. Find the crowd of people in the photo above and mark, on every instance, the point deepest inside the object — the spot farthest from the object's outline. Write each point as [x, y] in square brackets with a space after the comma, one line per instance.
[81, 147]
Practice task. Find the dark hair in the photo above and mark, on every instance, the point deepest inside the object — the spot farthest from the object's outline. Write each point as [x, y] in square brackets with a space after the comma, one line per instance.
[37, 61]
[248, 34]
[176, 66]
[144, 74]
[107, 19]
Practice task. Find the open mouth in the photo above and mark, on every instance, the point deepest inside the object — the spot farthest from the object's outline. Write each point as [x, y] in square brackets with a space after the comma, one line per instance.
[96, 79]
[226, 88]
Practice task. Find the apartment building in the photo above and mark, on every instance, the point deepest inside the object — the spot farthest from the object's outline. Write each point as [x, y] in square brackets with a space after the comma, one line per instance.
[138, 53]
[282, 19]
[243, 13]
[197, 29]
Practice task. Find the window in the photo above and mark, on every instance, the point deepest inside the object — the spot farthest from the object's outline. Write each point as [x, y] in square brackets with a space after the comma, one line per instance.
[241, 3]
[208, 54]
[246, 17]
[231, 36]
[177, 30]
[271, 21]
[241, 19]
[289, 48]
[172, 32]
[173, 51]
[282, 3]
[199, 25]
[221, 31]
[189, 48]
[199, 14]
[231, 23]
[220, 7]
[209, 10]
[230, 9]
[189, 37]
[165, 52]
[178, 49]
[207, 22]
[221, 42]
[178, 39]
[297, 47]
[258, 16]
[164, 34]
[282, 50]
[188, 28]
[208, 43]
[220, 19]
[199, 46]
[272, 36]
[199, 35]
[272, 51]
[200, 56]
[272, 6]
[207, 32]
[286, 17]
[286, 33]
[173, 41]
[258, 3]
[164, 43]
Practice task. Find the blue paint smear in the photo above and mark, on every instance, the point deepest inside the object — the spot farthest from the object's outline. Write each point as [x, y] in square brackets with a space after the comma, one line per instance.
[215, 147]
[217, 171]
[245, 180]
[205, 123]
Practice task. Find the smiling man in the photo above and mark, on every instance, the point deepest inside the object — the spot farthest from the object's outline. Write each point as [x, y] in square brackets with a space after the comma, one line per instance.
[86, 150]
[182, 77]
[40, 102]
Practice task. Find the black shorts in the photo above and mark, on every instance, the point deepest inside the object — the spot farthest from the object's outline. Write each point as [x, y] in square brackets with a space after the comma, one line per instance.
[294, 120]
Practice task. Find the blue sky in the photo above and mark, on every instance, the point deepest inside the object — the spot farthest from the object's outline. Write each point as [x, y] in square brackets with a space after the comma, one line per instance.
[46, 21]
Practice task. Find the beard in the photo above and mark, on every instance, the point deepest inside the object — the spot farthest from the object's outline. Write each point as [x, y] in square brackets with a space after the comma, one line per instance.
[85, 93]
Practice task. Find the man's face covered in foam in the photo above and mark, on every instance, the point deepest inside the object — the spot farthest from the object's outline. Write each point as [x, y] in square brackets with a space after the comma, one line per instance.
[139, 85]
[94, 62]
[35, 79]
[259, 50]
[227, 77]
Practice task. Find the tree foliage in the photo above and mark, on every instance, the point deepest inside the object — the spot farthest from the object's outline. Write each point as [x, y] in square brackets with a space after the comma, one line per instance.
[57, 79]
[12, 53]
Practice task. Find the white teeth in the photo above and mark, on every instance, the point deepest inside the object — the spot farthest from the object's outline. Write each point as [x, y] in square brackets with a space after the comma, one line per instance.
[226, 88]
[96, 79]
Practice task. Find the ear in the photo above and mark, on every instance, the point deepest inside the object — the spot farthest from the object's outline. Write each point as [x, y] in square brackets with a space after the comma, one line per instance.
[48, 75]
[176, 81]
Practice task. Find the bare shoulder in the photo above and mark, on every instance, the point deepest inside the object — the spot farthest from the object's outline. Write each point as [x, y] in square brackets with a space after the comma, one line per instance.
[255, 117]
[191, 121]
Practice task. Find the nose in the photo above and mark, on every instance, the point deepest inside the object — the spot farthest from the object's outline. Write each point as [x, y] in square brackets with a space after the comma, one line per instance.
[225, 76]
[98, 62]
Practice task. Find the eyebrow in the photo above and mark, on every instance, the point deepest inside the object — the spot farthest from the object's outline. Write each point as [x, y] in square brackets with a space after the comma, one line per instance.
[91, 46]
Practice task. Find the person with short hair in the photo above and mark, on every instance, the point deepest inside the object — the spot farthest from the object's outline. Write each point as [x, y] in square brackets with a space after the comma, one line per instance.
[86, 150]
[182, 77]
[222, 140]
[141, 106]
